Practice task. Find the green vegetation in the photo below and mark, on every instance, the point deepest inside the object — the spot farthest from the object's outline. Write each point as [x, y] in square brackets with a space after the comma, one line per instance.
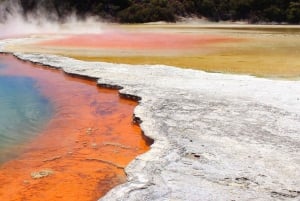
[138, 11]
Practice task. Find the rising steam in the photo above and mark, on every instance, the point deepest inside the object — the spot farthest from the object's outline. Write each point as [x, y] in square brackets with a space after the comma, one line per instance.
[14, 22]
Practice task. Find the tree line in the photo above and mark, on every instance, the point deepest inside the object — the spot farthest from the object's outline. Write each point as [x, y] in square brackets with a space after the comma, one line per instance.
[140, 11]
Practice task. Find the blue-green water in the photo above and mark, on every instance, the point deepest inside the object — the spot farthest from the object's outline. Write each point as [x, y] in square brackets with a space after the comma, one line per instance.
[24, 112]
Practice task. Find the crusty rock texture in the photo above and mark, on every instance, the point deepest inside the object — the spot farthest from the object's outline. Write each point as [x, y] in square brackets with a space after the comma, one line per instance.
[216, 137]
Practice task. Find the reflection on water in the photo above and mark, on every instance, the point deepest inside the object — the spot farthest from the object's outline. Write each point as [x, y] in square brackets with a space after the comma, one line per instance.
[82, 152]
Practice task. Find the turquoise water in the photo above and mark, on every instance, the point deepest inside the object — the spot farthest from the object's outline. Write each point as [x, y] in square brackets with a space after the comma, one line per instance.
[24, 112]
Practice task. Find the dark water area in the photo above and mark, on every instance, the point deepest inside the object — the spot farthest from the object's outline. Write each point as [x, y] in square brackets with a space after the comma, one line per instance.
[24, 112]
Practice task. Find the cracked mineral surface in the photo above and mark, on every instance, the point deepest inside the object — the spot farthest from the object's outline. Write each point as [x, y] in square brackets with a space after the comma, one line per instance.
[216, 136]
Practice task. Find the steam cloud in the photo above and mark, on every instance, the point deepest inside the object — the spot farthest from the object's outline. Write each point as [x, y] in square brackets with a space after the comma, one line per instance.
[13, 22]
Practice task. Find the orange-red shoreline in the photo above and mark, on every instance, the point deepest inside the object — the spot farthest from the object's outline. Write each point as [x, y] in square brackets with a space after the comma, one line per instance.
[83, 151]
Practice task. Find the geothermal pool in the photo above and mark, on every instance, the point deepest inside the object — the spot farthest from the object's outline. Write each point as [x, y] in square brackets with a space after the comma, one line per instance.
[264, 51]
[62, 137]
[243, 121]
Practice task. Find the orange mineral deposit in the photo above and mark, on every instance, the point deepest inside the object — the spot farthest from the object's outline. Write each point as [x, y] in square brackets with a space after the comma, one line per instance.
[137, 41]
[82, 152]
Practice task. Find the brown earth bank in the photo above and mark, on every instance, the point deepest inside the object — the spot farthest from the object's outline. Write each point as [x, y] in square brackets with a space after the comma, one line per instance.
[82, 152]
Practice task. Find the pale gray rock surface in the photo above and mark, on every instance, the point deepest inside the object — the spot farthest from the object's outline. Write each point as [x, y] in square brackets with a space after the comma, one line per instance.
[217, 137]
